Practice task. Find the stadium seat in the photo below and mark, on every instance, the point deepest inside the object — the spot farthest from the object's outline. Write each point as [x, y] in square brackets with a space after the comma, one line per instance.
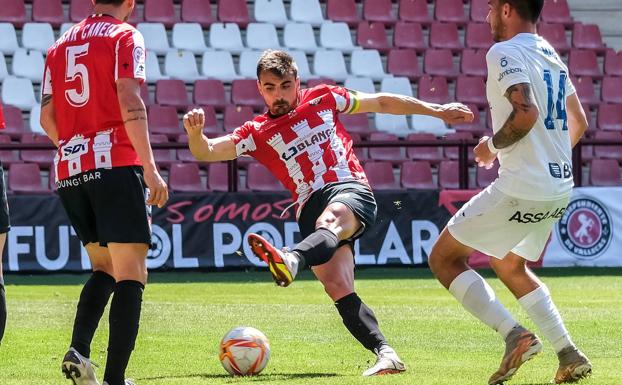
[306, 11]
[361, 84]
[439, 62]
[473, 62]
[163, 120]
[4, 71]
[417, 175]
[478, 36]
[396, 85]
[403, 62]
[380, 176]
[181, 65]
[34, 120]
[160, 11]
[244, 92]
[379, 11]
[445, 36]
[8, 43]
[484, 177]
[155, 37]
[64, 28]
[613, 63]
[304, 72]
[433, 89]
[605, 172]
[336, 36]
[258, 178]
[262, 36]
[356, 123]
[138, 16]
[153, 71]
[555, 34]
[587, 36]
[163, 157]
[270, 11]
[479, 10]
[25, 178]
[217, 177]
[300, 36]
[233, 11]
[38, 36]
[367, 63]
[226, 37]
[609, 116]
[395, 124]
[583, 62]
[361, 153]
[48, 11]
[431, 154]
[235, 116]
[450, 11]
[409, 35]
[426, 123]
[330, 64]
[40, 157]
[611, 89]
[210, 92]
[372, 36]
[585, 90]
[389, 154]
[8, 157]
[610, 152]
[248, 64]
[80, 10]
[185, 177]
[415, 11]
[556, 11]
[448, 175]
[476, 127]
[171, 92]
[219, 65]
[197, 11]
[343, 11]
[14, 12]
[189, 37]
[28, 64]
[145, 95]
[452, 152]
[471, 89]
[319, 81]
[14, 121]
[18, 92]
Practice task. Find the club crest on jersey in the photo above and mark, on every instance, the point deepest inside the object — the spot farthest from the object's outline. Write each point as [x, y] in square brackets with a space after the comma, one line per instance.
[585, 229]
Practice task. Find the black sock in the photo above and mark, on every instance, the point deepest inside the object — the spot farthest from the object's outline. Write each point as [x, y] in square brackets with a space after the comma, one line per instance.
[318, 248]
[360, 321]
[124, 321]
[93, 300]
[2, 312]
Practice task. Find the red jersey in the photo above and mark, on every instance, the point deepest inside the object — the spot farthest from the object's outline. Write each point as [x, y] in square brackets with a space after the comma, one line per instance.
[308, 147]
[2, 125]
[81, 70]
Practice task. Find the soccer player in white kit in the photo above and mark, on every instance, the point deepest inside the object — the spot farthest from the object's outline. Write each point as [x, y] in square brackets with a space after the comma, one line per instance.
[537, 119]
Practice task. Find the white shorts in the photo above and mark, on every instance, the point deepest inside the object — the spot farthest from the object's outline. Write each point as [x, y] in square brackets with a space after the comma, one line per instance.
[495, 224]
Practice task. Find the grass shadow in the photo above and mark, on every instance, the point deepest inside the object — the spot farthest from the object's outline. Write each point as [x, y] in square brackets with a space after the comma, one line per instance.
[262, 377]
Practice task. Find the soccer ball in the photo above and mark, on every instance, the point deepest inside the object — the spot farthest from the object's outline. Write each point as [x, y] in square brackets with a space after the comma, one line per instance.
[244, 351]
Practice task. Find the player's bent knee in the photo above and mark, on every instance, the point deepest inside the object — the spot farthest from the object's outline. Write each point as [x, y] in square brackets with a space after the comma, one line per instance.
[338, 289]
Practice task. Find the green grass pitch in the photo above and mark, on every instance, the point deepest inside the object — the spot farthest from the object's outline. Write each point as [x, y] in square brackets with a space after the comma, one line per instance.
[186, 314]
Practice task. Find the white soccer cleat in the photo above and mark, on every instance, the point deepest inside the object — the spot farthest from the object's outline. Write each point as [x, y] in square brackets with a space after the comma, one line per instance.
[78, 368]
[387, 362]
[520, 346]
[573, 366]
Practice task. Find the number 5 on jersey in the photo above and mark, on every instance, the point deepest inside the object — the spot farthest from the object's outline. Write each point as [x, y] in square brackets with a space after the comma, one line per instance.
[77, 71]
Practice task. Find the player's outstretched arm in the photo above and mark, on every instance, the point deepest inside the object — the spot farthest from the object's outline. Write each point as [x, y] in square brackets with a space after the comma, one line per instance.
[577, 121]
[202, 148]
[48, 119]
[387, 103]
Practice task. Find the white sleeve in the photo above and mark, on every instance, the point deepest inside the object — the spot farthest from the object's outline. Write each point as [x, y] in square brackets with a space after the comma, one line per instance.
[506, 64]
[46, 88]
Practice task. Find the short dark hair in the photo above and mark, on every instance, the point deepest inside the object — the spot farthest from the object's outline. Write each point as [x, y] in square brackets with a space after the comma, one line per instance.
[529, 10]
[113, 2]
[279, 63]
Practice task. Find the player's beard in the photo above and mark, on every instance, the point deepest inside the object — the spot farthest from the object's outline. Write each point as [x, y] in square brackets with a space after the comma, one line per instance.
[497, 29]
[280, 107]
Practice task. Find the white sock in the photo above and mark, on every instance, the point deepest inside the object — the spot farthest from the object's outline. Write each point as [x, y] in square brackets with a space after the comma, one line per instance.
[479, 299]
[540, 307]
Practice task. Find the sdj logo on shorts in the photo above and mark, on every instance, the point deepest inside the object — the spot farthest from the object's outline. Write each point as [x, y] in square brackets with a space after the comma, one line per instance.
[585, 228]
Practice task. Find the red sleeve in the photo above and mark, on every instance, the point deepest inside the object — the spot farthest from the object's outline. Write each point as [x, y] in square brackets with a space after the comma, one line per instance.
[2, 125]
[130, 60]
[243, 139]
[345, 99]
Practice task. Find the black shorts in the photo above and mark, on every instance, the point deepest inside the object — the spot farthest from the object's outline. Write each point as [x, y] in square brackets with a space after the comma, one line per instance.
[108, 205]
[356, 195]
[5, 223]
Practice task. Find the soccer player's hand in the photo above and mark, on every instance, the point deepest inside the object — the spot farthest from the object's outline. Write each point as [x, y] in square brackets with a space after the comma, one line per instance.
[483, 156]
[194, 120]
[455, 113]
[158, 192]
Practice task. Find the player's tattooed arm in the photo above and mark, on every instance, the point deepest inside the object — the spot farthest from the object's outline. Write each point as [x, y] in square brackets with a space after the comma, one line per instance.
[522, 118]
[46, 99]
[135, 113]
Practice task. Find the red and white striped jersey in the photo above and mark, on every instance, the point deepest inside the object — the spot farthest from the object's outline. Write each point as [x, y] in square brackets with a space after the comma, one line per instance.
[308, 147]
[81, 70]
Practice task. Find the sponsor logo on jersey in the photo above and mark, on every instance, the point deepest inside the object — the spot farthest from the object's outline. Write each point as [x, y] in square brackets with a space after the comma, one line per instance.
[308, 141]
[531, 217]
[508, 71]
[585, 228]
[75, 148]
[504, 62]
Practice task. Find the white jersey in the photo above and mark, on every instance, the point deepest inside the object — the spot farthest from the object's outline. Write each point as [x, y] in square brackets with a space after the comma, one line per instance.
[539, 166]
